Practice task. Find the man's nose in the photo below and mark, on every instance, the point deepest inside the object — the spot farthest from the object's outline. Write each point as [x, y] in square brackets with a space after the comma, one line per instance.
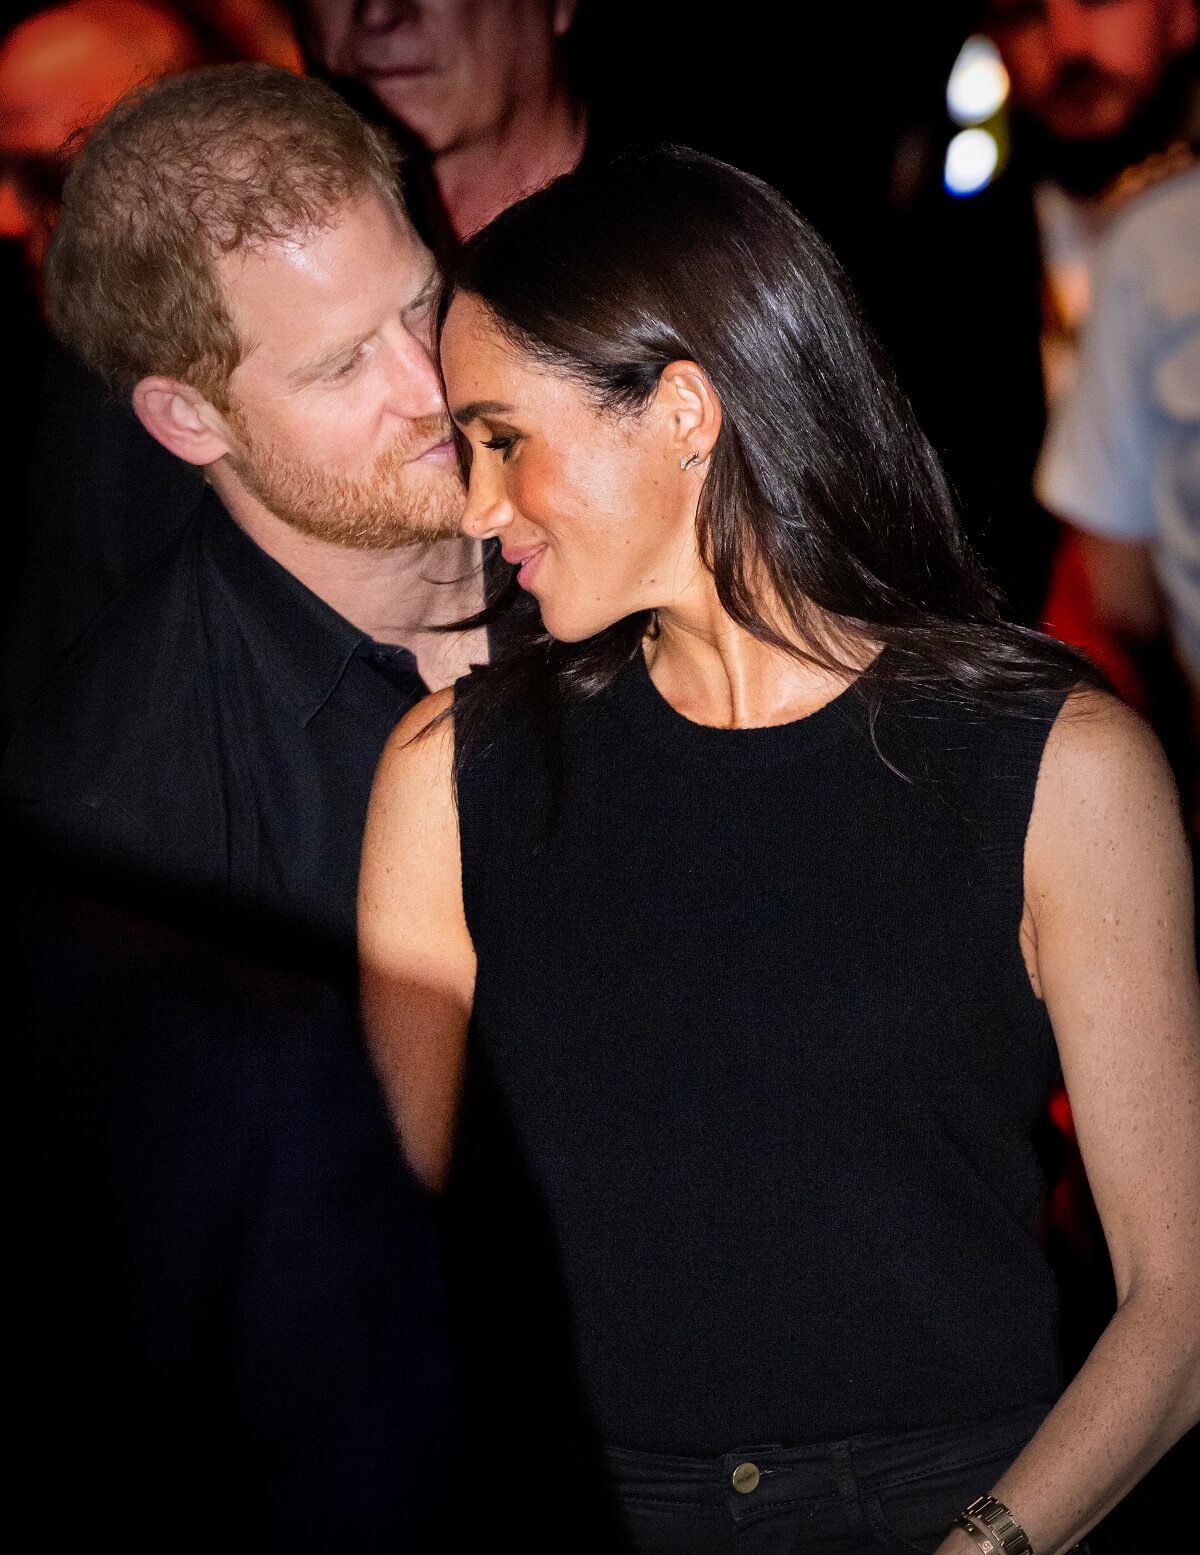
[414, 385]
[383, 15]
[1069, 31]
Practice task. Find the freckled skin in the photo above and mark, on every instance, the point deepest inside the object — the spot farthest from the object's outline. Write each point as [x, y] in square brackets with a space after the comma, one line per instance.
[603, 493]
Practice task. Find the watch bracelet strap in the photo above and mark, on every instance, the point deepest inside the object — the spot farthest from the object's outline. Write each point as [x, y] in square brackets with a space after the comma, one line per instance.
[997, 1523]
[987, 1541]
[978, 1533]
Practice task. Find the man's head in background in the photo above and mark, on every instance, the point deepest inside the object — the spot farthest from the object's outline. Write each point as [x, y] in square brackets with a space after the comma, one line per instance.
[1090, 70]
[449, 70]
[234, 256]
[481, 87]
[59, 71]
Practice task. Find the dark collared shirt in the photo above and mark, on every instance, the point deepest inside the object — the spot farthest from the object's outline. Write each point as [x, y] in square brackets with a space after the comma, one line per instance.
[213, 737]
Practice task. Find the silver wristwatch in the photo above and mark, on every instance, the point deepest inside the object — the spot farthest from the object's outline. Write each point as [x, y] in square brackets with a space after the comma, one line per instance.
[993, 1515]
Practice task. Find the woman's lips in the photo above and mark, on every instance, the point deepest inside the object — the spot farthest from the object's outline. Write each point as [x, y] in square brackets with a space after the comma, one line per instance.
[526, 560]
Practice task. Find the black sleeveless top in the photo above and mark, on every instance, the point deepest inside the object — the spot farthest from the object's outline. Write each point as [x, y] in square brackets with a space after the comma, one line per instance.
[753, 1005]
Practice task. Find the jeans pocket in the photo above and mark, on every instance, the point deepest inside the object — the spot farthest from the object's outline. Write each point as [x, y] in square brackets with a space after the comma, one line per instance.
[886, 1530]
[915, 1514]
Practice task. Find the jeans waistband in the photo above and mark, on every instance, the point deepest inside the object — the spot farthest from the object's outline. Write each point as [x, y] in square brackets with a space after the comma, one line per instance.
[809, 1472]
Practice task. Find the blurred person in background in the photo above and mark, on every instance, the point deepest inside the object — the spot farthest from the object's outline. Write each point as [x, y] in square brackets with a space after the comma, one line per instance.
[1098, 89]
[1115, 101]
[60, 68]
[481, 86]
[991, 290]
[1121, 463]
[245, 29]
[59, 71]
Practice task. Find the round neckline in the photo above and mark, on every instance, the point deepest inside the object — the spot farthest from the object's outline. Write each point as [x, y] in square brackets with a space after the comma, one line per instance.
[642, 706]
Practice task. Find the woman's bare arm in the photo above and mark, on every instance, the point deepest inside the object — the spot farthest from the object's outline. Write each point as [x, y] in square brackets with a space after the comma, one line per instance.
[1111, 948]
[417, 964]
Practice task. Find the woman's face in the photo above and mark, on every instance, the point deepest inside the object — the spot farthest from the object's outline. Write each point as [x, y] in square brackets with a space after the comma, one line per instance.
[593, 507]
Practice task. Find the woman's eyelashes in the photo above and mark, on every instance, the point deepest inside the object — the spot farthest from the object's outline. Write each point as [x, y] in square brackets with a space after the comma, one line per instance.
[504, 442]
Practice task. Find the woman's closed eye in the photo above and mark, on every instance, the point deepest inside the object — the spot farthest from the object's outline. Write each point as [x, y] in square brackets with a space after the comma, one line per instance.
[505, 442]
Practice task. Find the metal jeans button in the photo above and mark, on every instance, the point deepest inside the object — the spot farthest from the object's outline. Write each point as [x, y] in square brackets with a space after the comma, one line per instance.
[746, 1478]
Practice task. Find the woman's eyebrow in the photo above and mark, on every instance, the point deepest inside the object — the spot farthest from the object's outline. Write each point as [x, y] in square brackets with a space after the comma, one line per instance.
[465, 414]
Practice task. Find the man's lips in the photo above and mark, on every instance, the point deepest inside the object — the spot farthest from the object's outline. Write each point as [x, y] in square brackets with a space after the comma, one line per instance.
[395, 72]
[438, 453]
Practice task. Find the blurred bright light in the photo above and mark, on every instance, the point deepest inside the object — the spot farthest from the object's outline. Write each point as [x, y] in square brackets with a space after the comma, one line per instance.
[971, 159]
[978, 84]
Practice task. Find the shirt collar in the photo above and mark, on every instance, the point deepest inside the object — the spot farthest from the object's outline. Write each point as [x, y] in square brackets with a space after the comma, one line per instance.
[302, 644]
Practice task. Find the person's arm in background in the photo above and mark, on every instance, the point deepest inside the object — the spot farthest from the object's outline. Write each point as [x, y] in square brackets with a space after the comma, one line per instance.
[1123, 588]
[1109, 939]
[1115, 460]
[417, 963]
[1096, 468]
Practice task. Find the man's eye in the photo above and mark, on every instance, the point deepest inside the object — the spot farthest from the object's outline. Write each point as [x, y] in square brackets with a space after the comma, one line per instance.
[344, 369]
[418, 320]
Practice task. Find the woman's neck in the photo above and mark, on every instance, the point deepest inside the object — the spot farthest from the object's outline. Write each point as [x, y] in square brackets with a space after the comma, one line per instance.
[714, 672]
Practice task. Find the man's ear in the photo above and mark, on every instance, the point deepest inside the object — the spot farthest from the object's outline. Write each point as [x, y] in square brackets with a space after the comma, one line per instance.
[181, 419]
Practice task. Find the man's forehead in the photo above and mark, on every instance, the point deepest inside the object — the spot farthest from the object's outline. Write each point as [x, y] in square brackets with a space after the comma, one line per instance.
[299, 301]
[361, 245]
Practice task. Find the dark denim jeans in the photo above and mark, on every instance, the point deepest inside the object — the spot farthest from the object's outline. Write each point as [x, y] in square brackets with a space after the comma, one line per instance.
[892, 1493]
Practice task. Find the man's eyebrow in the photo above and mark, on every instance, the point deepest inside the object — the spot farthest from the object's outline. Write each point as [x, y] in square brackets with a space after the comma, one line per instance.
[465, 414]
[428, 288]
[312, 370]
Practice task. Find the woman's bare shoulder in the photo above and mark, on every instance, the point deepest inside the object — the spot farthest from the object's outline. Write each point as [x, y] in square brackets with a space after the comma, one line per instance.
[415, 772]
[1105, 792]
[419, 718]
[1101, 749]
[424, 737]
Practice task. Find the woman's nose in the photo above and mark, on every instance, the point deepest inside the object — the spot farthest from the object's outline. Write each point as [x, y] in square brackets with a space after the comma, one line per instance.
[486, 513]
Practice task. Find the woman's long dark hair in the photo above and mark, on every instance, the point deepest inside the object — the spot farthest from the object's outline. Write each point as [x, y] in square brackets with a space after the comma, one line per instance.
[822, 492]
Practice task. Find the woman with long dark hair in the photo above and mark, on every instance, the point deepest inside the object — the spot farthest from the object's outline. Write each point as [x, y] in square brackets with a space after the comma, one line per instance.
[776, 879]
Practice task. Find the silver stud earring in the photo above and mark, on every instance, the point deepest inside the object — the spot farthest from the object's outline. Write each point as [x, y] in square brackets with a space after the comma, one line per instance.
[687, 462]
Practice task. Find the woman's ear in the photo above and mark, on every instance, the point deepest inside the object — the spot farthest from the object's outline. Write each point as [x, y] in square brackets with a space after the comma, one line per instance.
[181, 419]
[692, 410]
